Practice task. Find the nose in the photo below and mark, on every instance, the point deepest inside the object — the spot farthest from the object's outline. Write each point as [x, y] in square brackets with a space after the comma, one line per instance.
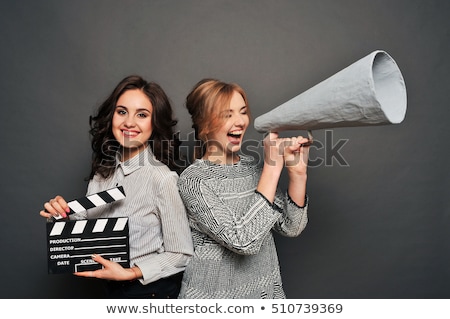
[239, 120]
[129, 121]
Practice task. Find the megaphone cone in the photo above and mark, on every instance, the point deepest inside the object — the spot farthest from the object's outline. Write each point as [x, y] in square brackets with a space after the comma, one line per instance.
[370, 91]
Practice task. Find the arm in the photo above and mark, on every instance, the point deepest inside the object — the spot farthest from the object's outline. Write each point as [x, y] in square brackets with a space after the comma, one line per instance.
[273, 165]
[177, 239]
[291, 153]
[294, 202]
[296, 161]
[294, 218]
[241, 231]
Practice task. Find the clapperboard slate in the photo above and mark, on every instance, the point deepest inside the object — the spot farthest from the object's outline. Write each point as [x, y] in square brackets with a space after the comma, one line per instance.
[71, 243]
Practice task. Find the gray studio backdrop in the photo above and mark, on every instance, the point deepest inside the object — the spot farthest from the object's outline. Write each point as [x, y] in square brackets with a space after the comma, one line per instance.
[379, 196]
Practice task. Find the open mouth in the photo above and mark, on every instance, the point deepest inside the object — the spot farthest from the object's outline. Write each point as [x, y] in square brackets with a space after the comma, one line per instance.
[235, 134]
[130, 134]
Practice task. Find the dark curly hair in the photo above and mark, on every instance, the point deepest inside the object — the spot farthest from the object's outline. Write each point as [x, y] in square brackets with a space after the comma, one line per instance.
[163, 141]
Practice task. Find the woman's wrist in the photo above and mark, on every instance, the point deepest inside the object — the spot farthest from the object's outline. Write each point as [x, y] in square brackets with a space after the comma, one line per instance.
[136, 272]
[297, 177]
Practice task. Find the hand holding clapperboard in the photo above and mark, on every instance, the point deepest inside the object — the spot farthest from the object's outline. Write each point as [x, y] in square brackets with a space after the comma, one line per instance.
[70, 244]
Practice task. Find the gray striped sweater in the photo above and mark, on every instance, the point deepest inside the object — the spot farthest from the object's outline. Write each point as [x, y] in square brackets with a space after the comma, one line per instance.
[234, 250]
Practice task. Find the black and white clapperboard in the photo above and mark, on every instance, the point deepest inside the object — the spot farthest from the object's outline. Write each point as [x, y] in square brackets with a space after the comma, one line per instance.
[71, 243]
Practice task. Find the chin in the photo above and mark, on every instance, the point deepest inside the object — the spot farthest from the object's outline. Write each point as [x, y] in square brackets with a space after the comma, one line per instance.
[235, 149]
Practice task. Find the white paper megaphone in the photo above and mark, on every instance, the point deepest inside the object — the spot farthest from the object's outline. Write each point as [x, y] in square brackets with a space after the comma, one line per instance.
[370, 91]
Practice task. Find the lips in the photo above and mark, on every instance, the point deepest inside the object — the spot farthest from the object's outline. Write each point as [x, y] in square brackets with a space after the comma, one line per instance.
[235, 136]
[236, 133]
[130, 134]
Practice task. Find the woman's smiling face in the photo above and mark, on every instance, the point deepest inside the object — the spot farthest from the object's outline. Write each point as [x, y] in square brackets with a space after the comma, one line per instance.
[223, 143]
[132, 122]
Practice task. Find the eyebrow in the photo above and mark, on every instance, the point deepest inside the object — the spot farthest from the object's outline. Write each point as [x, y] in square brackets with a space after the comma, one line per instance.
[240, 109]
[138, 110]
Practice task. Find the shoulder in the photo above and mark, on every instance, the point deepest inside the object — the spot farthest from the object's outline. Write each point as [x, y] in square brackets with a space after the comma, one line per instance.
[159, 176]
[197, 169]
[155, 168]
[98, 183]
[198, 173]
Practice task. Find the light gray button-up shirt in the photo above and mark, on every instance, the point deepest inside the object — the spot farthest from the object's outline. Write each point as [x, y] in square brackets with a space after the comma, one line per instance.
[160, 238]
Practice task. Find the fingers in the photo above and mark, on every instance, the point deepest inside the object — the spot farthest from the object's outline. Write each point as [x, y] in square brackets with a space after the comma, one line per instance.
[110, 270]
[90, 274]
[303, 141]
[289, 151]
[100, 259]
[296, 154]
[95, 273]
[273, 135]
[55, 207]
[295, 143]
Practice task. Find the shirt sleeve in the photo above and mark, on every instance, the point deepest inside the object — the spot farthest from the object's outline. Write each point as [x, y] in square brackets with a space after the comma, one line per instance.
[178, 247]
[293, 219]
[242, 233]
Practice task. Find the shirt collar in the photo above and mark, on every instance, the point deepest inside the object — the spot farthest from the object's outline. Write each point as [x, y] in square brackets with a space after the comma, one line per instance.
[136, 162]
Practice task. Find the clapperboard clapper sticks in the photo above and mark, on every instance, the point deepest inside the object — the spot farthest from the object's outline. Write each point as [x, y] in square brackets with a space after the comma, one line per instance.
[71, 243]
[95, 200]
